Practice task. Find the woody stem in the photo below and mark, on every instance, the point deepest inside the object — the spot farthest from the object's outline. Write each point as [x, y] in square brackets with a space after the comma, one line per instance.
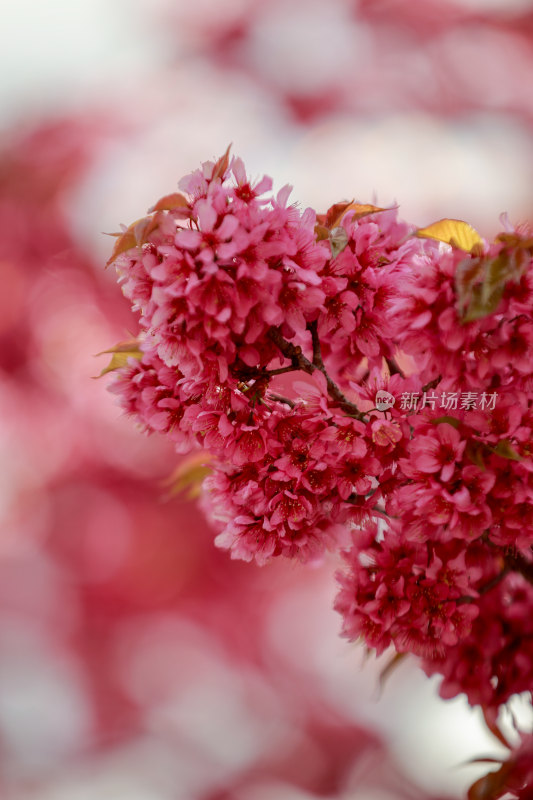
[517, 563]
[299, 361]
[512, 563]
[280, 399]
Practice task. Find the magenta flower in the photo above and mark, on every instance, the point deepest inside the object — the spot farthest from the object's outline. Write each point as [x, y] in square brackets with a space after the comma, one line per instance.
[431, 499]
[401, 594]
[439, 453]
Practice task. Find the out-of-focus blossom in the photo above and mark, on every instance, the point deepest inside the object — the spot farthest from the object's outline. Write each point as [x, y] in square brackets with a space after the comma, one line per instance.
[122, 668]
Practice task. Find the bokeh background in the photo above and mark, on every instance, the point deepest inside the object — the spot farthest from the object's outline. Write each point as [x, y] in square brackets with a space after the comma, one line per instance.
[136, 661]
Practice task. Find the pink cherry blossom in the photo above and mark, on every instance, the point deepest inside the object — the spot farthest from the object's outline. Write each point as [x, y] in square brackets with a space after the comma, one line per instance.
[431, 499]
[438, 454]
[401, 593]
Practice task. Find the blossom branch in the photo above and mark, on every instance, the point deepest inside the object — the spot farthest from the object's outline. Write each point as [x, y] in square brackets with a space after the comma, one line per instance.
[486, 588]
[514, 563]
[351, 476]
[394, 369]
[494, 582]
[270, 373]
[280, 399]
[517, 563]
[317, 352]
[300, 361]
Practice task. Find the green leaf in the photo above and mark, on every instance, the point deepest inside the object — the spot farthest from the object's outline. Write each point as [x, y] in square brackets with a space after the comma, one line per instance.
[474, 451]
[482, 303]
[453, 421]
[505, 449]
[480, 281]
[481, 284]
[338, 240]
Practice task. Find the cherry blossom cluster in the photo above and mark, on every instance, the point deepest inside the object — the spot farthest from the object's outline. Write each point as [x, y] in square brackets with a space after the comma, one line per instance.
[230, 285]
[408, 593]
[493, 661]
[466, 483]
[293, 485]
[281, 342]
[209, 292]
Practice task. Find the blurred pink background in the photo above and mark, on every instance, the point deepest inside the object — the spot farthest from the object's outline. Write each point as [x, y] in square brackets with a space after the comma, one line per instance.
[136, 661]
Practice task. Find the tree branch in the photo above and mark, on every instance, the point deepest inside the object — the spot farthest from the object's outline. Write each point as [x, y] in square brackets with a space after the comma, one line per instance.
[280, 399]
[299, 361]
[512, 563]
[394, 369]
[517, 563]
[271, 372]
[317, 352]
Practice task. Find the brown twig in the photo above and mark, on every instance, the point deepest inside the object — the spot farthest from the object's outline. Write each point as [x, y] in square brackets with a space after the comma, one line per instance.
[517, 563]
[494, 582]
[299, 361]
[394, 369]
[487, 587]
[280, 399]
[317, 352]
[512, 563]
[281, 371]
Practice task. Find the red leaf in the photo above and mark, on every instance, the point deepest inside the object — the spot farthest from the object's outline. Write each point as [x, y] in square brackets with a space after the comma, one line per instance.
[334, 215]
[321, 232]
[221, 166]
[170, 202]
[492, 725]
[489, 787]
[134, 236]
[389, 668]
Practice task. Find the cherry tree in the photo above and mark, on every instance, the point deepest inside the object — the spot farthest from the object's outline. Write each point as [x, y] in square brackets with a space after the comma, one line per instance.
[348, 382]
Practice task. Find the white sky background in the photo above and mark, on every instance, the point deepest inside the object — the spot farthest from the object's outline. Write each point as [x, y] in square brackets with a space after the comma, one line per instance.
[59, 55]
[62, 54]
[71, 54]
